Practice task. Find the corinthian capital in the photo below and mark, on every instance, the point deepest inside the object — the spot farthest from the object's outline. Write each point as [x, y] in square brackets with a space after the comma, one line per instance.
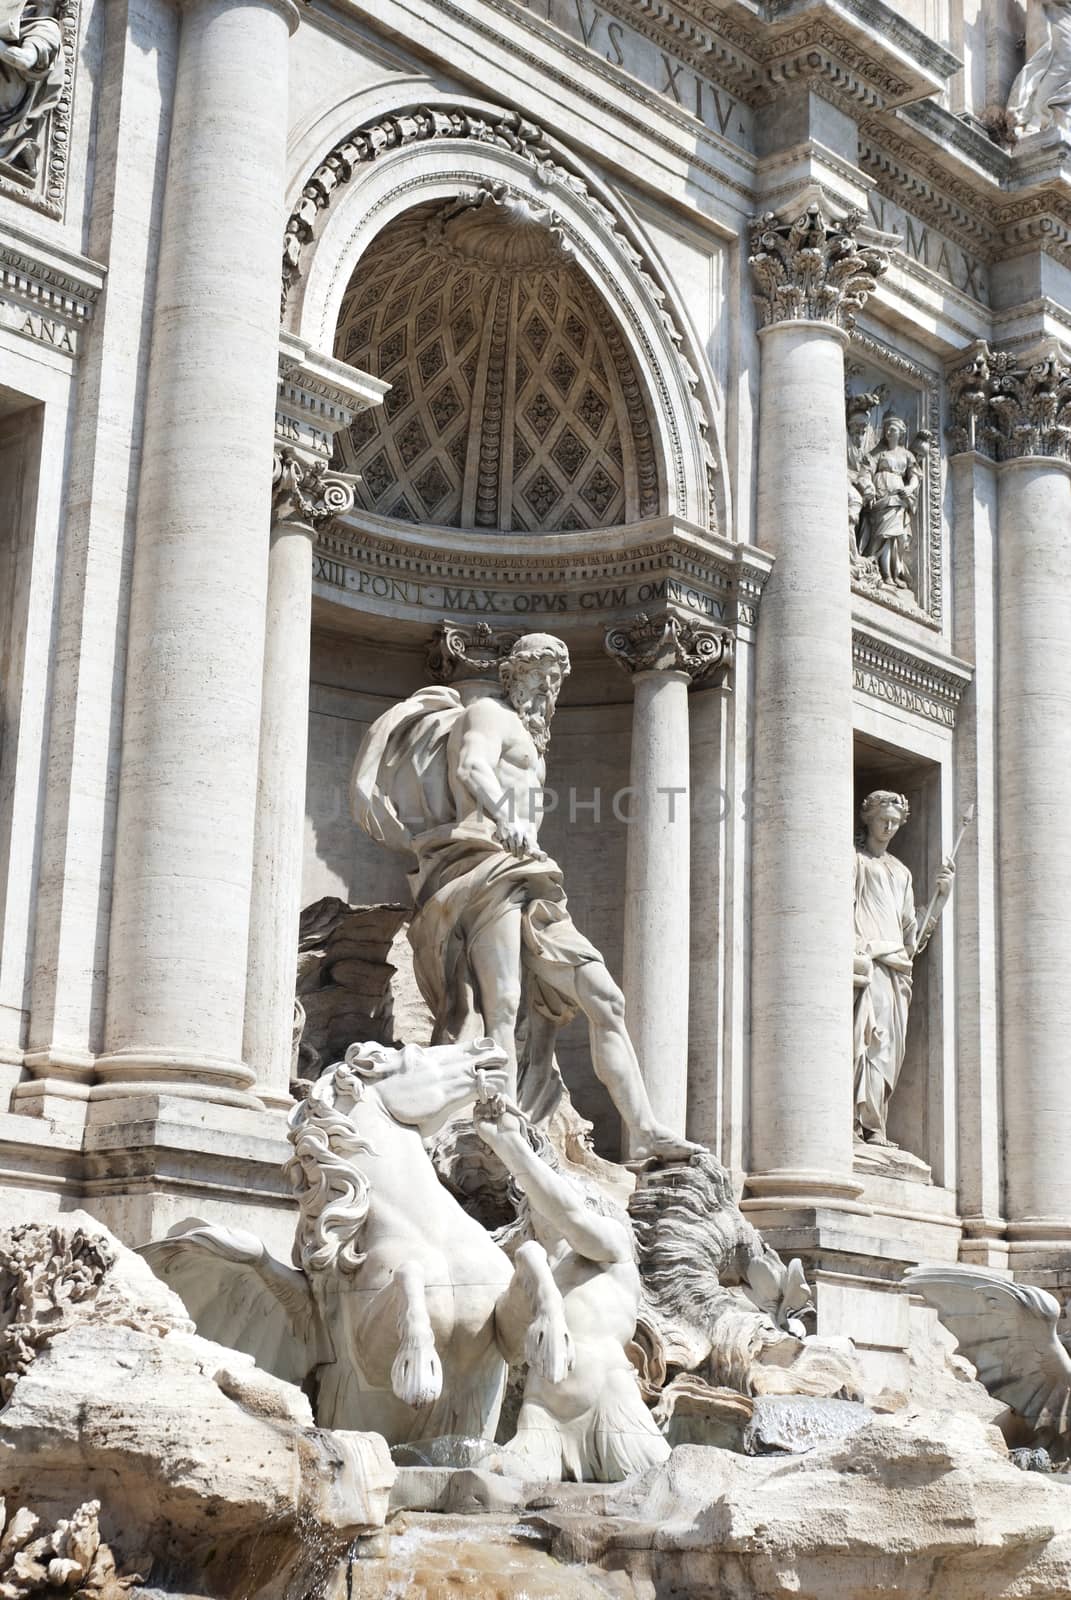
[308, 492]
[1008, 404]
[666, 643]
[814, 267]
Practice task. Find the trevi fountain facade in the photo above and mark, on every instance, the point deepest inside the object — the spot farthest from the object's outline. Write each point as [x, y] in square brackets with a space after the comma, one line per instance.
[535, 653]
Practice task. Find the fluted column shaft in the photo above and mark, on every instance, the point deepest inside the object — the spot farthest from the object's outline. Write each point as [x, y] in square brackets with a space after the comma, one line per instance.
[811, 275]
[180, 918]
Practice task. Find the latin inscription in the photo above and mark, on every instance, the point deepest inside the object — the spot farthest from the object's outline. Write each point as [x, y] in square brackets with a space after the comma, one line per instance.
[660, 70]
[462, 599]
[930, 249]
[899, 695]
[41, 329]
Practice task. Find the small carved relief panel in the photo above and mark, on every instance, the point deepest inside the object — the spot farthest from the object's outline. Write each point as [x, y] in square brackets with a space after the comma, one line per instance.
[38, 42]
[894, 483]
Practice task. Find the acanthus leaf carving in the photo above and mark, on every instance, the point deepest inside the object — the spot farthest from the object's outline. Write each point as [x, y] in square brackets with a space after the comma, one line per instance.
[1008, 405]
[814, 267]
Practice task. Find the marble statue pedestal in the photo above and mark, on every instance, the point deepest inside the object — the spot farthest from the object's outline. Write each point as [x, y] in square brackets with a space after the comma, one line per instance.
[141, 1163]
[855, 1262]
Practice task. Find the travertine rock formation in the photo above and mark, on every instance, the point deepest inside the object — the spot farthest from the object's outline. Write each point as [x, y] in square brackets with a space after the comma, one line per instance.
[918, 1505]
[210, 1474]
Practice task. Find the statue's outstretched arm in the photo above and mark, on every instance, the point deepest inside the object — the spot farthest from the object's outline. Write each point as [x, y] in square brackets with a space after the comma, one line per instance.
[592, 1235]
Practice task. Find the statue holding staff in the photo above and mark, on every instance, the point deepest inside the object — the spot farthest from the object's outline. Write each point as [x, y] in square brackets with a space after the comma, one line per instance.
[888, 939]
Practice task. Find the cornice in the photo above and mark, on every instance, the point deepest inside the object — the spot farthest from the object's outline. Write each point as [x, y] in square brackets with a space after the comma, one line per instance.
[904, 174]
[47, 296]
[68, 285]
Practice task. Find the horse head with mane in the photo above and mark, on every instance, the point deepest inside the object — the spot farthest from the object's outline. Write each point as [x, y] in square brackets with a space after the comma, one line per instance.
[400, 1311]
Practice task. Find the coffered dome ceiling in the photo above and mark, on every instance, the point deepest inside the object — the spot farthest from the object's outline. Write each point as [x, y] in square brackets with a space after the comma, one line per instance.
[515, 404]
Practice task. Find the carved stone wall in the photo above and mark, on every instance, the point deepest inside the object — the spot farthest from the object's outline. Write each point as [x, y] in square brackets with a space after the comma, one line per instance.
[514, 402]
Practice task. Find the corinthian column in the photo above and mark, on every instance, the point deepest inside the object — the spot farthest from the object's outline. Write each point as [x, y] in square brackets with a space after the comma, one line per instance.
[188, 777]
[663, 655]
[811, 275]
[1027, 429]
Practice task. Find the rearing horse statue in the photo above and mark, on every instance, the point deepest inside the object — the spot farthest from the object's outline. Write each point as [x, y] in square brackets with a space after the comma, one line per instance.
[400, 1312]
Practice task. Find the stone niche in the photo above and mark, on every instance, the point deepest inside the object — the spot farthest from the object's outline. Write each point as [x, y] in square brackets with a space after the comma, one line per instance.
[882, 385]
[354, 680]
[514, 402]
[916, 1102]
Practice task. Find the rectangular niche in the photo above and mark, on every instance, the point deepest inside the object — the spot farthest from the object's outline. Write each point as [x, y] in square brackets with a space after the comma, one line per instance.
[916, 1109]
[904, 388]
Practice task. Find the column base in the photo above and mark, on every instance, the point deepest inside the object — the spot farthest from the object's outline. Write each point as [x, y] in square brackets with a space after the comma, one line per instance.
[129, 1073]
[787, 1187]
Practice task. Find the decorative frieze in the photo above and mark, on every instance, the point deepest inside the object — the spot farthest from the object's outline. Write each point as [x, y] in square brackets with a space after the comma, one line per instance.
[900, 677]
[664, 642]
[813, 267]
[1009, 404]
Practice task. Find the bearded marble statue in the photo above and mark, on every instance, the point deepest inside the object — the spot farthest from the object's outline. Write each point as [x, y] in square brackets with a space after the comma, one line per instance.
[887, 942]
[455, 783]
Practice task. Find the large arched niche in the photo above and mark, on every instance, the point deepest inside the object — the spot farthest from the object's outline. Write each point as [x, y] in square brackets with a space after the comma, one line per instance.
[412, 168]
[515, 404]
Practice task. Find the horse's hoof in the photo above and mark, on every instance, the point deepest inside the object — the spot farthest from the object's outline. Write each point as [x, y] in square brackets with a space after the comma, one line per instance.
[548, 1347]
[417, 1374]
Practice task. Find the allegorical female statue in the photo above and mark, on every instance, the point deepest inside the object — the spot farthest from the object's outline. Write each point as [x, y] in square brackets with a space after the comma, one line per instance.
[896, 482]
[887, 941]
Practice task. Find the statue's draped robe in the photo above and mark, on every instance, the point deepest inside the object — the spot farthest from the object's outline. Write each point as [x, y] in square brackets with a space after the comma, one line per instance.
[1041, 94]
[464, 881]
[28, 94]
[895, 488]
[885, 930]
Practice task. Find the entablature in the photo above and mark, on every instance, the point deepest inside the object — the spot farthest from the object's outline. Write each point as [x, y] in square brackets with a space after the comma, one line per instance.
[584, 582]
[47, 295]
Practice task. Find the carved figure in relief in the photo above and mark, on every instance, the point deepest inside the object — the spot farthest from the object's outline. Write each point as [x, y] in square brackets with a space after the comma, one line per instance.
[592, 1423]
[896, 483]
[860, 477]
[457, 785]
[400, 1309]
[31, 80]
[887, 942]
[1041, 95]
